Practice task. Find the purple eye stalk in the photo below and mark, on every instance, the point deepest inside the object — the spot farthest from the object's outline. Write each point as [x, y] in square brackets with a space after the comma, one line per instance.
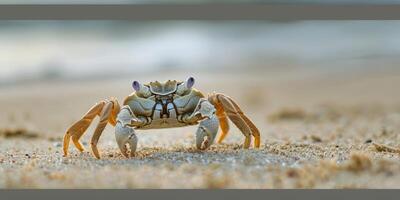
[136, 86]
[140, 89]
[190, 82]
[185, 86]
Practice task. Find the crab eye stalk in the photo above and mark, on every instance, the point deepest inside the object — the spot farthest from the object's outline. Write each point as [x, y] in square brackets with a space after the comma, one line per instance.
[136, 85]
[141, 90]
[190, 82]
[185, 86]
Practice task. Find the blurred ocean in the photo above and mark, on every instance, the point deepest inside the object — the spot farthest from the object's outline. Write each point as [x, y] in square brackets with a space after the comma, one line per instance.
[31, 50]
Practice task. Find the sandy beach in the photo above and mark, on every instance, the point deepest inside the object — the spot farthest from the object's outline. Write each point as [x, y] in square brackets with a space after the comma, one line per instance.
[332, 130]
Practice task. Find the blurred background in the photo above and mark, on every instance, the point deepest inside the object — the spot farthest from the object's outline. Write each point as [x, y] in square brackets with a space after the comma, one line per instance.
[39, 50]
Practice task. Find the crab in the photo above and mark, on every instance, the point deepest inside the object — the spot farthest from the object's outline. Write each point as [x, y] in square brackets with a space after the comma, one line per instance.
[157, 105]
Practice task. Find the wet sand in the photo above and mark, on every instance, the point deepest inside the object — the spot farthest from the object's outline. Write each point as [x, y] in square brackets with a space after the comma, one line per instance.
[318, 131]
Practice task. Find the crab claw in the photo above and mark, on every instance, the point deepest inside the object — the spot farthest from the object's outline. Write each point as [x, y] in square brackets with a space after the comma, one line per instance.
[203, 139]
[125, 135]
[206, 132]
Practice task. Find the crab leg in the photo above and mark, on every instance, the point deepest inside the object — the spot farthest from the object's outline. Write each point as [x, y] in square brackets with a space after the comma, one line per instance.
[254, 130]
[236, 115]
[76, 131]
[78, 128]
[104, 116]
[223, 122]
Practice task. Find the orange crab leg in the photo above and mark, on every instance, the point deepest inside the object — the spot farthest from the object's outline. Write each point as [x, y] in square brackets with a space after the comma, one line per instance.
[107, 110]
[236, 115]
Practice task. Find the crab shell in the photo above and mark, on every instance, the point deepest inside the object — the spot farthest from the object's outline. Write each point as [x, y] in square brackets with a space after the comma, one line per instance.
[163, 105]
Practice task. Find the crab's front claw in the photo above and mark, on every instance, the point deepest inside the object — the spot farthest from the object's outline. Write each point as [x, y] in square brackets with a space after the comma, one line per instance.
[125, 136]
[206, 132]
[124, 132]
